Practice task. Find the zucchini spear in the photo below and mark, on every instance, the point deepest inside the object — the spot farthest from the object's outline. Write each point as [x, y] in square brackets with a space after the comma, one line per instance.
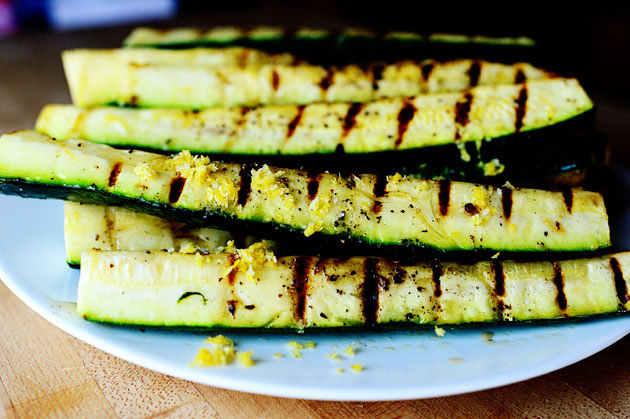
[221, 290]
[115, 81]
[340, 47]
[481, 113]
[376, 210]
[113, 228]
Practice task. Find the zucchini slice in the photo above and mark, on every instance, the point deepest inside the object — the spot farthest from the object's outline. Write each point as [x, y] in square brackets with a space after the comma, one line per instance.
[113, 228]
[371, 209]
[340, 47]
[162, 289]
[481, 113]
[116, 81]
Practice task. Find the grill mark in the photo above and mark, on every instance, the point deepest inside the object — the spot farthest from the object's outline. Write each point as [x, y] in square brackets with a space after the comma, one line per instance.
[313, 186]
[301, 270]
[245, 184]
[327, 80]
[520, 77]
[113, 175]
[427, 69]
[473, 73]
[462, 111]
[567, 196]
[558, 281]
[232, 275]
[244, 112]
[350, 118]
[506, 202]
[380, 187]
[520, 109]
[436, 273]
[275, 80]
[404, 117]
[377, 74]
[620, 282]
[231, 306]
[444, 196]
[109, 226]
[499, 285]
[177, 186]
[295, 122]
[371, 285]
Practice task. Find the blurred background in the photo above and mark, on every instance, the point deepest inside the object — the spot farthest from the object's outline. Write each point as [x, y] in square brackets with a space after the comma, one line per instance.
[591, 42]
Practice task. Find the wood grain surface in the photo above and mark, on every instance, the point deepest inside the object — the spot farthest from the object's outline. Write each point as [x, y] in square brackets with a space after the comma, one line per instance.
[44, 372]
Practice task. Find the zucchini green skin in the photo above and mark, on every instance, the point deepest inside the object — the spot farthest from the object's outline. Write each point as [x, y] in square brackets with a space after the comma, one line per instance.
[304, 292]
[377, 210]
[340, 47]
[119, 82]
[113, 228]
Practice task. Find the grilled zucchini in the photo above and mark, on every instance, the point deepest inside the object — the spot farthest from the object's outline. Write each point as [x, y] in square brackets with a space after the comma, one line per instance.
[202, 86]
[113, 228]
[340, 47]
[162, 289]
[481, 113]
[377, 210]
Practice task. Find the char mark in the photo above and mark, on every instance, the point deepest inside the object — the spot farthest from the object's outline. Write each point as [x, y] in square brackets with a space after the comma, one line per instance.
[243, 118]
[499, 286]
[177, 186]
[437, 272]
[327, 80]
[558, 281]
[404, 117]
[567, 195]
[113, 175]
[506, 202]
[620, 282]
[377, 74]
[350, 118]
[462, 110]
[233, 271]
[520, 109]
[473, 73]
[301, 270]
[520, 76]
[426, 69]
[275, 80]
[293, 124]
[444, 196]
[371, 284]
[245, 187]
[380, 187]
[231, 306]
[471, 209]
[313, 186]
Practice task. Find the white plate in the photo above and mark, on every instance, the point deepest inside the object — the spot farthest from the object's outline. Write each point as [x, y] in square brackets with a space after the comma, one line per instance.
[400, 364]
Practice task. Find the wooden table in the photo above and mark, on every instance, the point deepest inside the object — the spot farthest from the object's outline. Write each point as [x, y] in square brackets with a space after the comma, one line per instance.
[45, 372]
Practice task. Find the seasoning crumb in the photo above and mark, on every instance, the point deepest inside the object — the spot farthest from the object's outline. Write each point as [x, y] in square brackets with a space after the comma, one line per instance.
[350, 350]
[339, 370]
[439, 331]
[334, 356]
[356, 367]
[245, 358]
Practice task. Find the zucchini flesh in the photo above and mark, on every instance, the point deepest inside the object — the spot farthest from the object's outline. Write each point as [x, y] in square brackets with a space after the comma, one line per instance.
[113, 228]
[340, 47]
[162, 289]
[203, 86]
[377, 210]
[481, 113]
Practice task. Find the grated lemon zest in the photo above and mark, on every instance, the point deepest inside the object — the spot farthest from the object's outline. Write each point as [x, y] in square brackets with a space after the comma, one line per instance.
[357, 367]
[245, 358]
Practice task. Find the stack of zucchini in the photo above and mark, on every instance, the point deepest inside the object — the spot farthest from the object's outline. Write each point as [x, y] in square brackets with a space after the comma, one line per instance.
[213, 185]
